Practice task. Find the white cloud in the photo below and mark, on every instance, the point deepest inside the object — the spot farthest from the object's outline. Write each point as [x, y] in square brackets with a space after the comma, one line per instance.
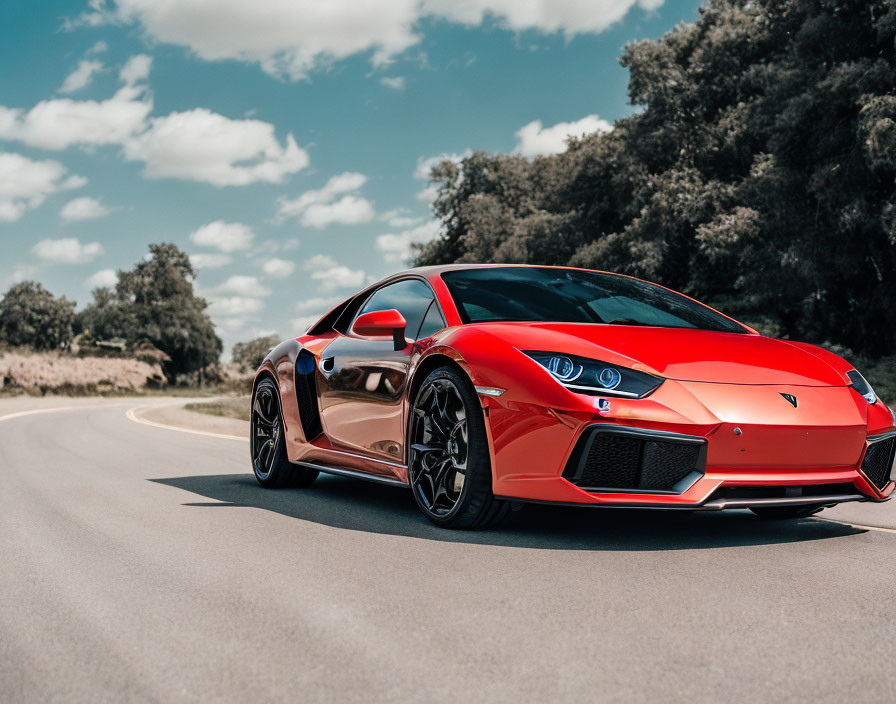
[25, 183]
[81, 77]
[211, 260]
[393, 82]
[98, 48]
[425, 164]
[224, 236]
[291, 38]
[330, 275]
[233, 306]
[535, 140]
[337, 202]
[62, 122]
[278, 268]
[396, 247]
[195, 145]
[241, 285]
[200, 145]
[67, 250]
[85, 208]
[102, 279]
[135, 69]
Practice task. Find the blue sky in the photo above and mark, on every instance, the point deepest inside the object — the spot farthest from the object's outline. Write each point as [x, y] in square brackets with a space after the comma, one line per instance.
[281, 144]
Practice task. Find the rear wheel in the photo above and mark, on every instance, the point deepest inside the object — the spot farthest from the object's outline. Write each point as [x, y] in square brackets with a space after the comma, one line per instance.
[780, 513]
[449, 468]
[267, 445]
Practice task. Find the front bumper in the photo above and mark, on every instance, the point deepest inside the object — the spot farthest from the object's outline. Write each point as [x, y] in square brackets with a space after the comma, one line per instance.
[752, 452]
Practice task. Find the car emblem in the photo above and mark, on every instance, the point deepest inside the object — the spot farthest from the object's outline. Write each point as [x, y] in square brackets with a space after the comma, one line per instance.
[790, 398]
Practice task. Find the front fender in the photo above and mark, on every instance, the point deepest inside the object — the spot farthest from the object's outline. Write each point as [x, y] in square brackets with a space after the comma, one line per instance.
[280, 364]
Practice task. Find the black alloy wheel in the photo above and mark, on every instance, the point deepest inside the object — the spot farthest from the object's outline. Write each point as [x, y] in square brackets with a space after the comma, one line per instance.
[267, 445]
[449, 468]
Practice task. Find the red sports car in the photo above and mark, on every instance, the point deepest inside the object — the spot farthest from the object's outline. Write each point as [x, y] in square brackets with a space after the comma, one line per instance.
[482, 387]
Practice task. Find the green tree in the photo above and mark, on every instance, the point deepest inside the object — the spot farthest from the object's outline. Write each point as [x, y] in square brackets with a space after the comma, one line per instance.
[31, 316]
[250, 355]
[155, 302]
[759, 174]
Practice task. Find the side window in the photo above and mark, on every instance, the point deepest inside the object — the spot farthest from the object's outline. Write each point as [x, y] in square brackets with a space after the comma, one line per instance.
[410, 297]
[432, 322]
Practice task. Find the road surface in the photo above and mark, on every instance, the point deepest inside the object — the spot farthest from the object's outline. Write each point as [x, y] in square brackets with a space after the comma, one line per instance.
[144, 564]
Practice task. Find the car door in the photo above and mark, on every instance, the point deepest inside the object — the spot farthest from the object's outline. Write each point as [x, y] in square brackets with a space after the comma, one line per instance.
[361, 380]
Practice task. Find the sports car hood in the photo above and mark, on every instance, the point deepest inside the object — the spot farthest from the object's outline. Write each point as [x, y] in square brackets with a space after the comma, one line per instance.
[674, 353]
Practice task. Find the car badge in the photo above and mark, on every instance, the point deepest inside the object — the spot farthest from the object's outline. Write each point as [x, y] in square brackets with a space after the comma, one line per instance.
[790, 398]
[603, 405]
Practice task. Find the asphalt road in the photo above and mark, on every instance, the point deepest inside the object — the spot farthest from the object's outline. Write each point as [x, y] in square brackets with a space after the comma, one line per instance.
[142, 564]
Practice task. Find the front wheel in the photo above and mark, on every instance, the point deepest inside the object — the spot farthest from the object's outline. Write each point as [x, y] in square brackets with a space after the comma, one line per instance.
[782, 513]
[267, 446]
[449, 468]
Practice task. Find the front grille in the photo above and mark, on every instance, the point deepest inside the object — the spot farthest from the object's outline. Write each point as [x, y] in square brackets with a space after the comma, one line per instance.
[877, 464]
[618, 458]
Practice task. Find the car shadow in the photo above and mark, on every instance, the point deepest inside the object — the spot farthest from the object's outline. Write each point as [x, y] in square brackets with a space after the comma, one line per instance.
[358, 505]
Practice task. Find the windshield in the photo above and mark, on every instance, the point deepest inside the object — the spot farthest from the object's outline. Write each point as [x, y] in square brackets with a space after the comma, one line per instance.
[542, 294]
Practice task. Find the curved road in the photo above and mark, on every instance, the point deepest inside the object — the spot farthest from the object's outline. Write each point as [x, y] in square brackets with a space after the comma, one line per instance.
[143, 564]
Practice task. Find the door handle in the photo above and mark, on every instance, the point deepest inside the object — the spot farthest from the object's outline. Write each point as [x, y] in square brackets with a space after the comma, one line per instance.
[327, 364]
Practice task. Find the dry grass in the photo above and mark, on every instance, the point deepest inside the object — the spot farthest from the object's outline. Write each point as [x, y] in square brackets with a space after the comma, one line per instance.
[53, 372]
[230, 407]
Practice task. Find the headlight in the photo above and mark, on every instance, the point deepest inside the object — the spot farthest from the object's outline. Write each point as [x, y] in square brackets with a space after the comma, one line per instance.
[862, 386]
[589, 376]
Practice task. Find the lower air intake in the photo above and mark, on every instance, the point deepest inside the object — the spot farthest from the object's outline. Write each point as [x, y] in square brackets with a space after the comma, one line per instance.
[877, 464]
[617, 458]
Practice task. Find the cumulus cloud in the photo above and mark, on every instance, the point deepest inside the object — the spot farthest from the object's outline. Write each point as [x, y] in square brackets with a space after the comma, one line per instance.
[67, 250]
[82, 76]
[135, 69]
[337, 202]
[200, 145]
[85, 208]
[62, 122]
[195, 145]
[393, 82]
[26, 183]
[104, 278]
[224, 236]
[210, 260]
[278, 268]
[396, 246]
[329, 275]
[535, 140]
[242, 285]
[290, 39]
[233, 307]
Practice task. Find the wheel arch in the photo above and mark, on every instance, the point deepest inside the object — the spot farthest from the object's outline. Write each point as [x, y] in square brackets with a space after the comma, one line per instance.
[433, 359]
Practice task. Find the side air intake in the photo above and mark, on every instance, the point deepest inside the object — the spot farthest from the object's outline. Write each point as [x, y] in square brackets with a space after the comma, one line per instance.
[306, 395]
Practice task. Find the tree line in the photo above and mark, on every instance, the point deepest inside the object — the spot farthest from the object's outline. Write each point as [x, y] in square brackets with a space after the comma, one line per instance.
[152, 303]
[757, 173]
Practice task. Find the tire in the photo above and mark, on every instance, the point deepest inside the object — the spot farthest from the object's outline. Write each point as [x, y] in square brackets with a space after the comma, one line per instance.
[267, 446]
[782, 513]
[449, 469]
